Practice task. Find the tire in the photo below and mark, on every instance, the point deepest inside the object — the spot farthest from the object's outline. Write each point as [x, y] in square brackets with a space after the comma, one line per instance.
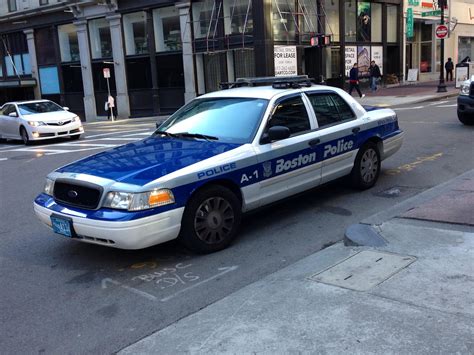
[366, 168]
[24, 136]
[462, 116]
[76, 137]
[211, 220]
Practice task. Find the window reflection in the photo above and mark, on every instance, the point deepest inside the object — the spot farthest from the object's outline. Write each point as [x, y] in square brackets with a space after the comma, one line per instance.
[68, 43]
[134, 26]
[101, 42]
[167, 29]
[238, 16]
[283, 20]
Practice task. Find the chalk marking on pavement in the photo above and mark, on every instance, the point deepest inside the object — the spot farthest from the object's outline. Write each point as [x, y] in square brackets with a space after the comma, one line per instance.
[128, 288]
[413, 165]
[224, 270]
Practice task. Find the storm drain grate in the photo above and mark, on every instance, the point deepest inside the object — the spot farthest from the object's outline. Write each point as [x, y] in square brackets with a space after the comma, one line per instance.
[364, 270]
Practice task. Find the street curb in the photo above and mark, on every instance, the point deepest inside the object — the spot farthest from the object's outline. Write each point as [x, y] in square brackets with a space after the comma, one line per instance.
[357, 235]
[383, 216]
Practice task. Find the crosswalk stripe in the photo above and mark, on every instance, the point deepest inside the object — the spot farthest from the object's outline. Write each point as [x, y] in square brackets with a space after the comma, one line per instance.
[73, 151]
[112, 133]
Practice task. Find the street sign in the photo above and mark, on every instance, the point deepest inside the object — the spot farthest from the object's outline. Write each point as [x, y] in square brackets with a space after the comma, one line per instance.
[431, 13]
[409, 22]
[106, 72]
[441, 31]
[413, 2]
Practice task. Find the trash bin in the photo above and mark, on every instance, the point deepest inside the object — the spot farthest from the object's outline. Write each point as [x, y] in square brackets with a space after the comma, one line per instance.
[464, 70]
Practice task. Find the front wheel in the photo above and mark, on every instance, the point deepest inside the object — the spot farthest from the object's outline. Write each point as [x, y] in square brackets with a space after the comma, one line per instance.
[462, 116]
[366, 168]
[24, 136]
[210, 220]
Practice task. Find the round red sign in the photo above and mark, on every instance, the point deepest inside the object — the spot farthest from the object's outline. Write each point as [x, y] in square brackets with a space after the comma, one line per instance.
[441, 31]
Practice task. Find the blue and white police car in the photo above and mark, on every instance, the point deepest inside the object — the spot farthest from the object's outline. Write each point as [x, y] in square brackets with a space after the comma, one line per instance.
[220, 155]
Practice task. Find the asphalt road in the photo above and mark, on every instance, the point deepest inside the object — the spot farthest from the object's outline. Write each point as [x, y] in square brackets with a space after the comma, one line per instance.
[60, 296]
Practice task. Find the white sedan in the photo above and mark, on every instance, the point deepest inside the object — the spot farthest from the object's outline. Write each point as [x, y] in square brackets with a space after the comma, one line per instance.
[38, 120]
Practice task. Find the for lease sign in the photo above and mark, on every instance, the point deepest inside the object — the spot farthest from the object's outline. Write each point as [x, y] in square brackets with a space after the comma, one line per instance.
[285, 60]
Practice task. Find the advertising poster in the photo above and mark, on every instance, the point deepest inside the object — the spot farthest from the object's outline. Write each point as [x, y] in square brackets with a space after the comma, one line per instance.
[363, 58]
[350, 58]
[377, 57]
[363, 21]
[285, 60]
[49, 80]
[461, 75]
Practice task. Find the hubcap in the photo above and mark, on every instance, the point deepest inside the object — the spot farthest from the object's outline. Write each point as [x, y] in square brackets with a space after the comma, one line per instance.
[369, 165]
[214, 220]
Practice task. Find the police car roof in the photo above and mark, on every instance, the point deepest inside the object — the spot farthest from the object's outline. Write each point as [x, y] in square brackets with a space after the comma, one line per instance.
[258, 92]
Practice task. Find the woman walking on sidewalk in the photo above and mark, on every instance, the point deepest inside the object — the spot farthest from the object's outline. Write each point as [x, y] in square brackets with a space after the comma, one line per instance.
[354, 80]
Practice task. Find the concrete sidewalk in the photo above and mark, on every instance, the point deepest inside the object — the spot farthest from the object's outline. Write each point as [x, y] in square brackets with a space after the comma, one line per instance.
[411, 294]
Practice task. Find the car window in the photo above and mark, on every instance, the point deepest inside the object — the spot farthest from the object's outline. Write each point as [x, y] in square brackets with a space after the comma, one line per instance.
[330, 109]
[291, 113]
[229, 119]
[8, 109]
[32, 108]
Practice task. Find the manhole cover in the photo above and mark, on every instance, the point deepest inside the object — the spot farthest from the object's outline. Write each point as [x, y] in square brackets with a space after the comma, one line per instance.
[364, 270]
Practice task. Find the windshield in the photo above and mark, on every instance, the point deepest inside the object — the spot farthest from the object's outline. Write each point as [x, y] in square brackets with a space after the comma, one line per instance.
[228, 119]
[32, 108]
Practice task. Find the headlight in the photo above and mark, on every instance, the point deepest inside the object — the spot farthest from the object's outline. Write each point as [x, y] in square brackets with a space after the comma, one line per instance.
[138, 201]
[76, 119]
[464, 89]
[36, 123]
[49, 187]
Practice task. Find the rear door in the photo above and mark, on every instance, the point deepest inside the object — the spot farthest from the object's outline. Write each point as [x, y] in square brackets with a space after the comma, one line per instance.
[289, 165]
[9, 125]
[339, 133]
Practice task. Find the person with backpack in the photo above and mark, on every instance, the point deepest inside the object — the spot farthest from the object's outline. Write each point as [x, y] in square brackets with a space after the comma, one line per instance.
[354, 80]
[449, 66]
[374, 74]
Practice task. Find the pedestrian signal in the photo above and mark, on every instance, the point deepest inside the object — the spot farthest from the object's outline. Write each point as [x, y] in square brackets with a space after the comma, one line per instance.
[320, 41]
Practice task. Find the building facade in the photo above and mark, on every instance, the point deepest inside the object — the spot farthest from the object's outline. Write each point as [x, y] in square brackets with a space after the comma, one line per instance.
[160, 54]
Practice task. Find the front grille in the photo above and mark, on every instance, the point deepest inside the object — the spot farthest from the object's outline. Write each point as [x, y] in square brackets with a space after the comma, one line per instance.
[77, 193]
[57, 124]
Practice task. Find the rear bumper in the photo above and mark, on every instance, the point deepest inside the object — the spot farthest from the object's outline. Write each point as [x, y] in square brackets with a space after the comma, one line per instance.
[392, 145]
[135, 234]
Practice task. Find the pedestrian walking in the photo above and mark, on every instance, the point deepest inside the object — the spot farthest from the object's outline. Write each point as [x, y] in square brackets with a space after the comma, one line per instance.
[109, 107]
[374, 73]
[449, 66]
[354, 80]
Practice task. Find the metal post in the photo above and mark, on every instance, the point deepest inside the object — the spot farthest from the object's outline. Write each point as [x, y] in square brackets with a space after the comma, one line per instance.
[110, 108]
[442, 85]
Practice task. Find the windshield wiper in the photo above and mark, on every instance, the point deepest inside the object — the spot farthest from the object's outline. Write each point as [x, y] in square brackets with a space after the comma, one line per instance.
[164, 133]
[196, 135]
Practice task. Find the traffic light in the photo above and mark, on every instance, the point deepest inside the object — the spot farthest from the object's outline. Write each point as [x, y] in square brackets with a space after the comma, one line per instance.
[320, 41]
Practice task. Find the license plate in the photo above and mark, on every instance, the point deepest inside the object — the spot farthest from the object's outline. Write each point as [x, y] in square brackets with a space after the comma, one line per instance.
[61, 226]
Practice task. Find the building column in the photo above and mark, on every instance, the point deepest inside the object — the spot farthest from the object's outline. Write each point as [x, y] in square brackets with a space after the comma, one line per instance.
[30, 39]
[123, 102]
[188, 60]
[86, 68]
[263, 38]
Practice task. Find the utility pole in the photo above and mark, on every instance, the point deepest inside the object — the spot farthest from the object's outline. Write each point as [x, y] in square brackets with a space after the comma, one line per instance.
[442, 86]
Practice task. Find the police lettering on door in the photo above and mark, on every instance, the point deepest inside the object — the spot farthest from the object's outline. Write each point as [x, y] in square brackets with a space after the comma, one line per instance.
[340, 147]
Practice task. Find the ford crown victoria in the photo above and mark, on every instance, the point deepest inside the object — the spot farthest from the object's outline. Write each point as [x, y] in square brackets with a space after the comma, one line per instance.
[222, 154]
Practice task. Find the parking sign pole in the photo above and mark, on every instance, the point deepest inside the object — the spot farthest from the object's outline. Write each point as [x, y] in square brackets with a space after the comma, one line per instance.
[442, 86]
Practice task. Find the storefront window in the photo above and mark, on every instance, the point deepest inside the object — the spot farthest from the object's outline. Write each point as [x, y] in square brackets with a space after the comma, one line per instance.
[331, 8]
[465, 48]
[134, 29]
[424, 36]
[170, 71]
[376, 22]
[283, 20]
[204, 25]
[9, 65]
[167, 29]
[140, 70]
[425, 57]
[244, 66]
[238, 16]
[392, 18]
[214, 67]
[333, 62]
[350, 20]
[308, 16]
[101, 42]
[68, 43]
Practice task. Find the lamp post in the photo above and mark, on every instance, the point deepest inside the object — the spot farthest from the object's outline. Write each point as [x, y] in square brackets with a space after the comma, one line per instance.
[442, 86]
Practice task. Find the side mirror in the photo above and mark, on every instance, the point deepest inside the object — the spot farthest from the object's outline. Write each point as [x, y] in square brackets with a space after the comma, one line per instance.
[66, 108]
[276, 133]
[13, 114]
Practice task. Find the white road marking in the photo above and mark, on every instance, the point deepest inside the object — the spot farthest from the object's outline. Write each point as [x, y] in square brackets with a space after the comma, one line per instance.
[116, 139]
[453, 105]
[128, 288]
[112, 133]
[224, 270]
[138, 134]
[408, 108]
[80, 150]
[2, 159]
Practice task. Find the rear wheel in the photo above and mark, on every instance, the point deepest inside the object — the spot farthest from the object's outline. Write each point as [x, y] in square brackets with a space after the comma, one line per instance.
[366, 168]
[24, 136]
[210, 220]
[463, 117]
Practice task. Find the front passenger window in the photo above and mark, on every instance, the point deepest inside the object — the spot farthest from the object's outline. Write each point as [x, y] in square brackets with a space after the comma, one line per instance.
[291, 113]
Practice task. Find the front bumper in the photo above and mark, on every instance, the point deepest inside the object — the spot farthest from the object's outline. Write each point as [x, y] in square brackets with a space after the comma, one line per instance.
[134, 234]
[51, 132]
[466, 104]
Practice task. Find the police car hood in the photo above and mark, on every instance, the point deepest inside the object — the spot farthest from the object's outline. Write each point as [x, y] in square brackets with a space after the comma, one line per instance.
[141, 162]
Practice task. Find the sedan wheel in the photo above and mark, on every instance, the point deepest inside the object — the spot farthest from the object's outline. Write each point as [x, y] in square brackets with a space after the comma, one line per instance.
[366, 168]
[24, 136]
